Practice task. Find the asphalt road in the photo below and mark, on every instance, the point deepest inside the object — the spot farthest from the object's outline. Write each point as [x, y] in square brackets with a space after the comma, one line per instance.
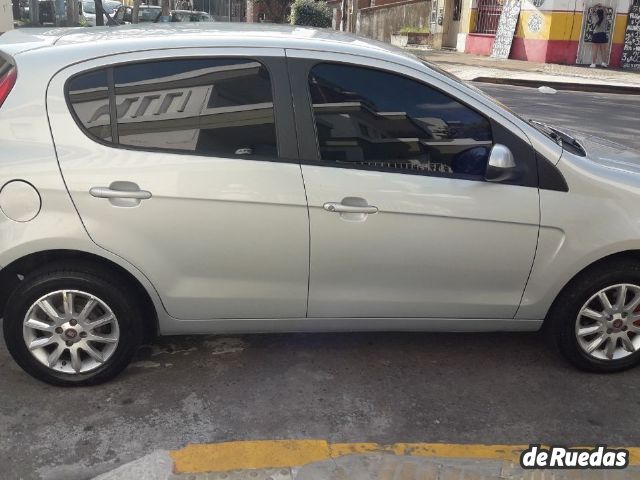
[612, 116]
[386, 388]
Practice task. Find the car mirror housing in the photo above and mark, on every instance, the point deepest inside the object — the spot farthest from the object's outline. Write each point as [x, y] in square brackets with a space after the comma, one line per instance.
[501, 165]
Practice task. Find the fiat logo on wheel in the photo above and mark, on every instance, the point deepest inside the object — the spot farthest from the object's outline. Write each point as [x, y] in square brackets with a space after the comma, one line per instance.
[71, 333]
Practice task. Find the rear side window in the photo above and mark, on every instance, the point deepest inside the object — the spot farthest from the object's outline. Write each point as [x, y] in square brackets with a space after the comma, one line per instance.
[367, 118]
[214, 107]
[89, 97]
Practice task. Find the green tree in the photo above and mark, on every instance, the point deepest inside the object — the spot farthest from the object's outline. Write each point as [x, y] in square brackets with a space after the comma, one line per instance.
[277, 11]
[311, 13]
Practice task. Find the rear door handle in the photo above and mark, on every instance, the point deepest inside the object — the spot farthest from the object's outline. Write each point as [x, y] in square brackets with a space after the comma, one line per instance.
[107, 192]
[342, 208]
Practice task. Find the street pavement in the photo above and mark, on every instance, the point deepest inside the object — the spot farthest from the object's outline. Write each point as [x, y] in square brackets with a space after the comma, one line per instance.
[612, 116]
[385, 388]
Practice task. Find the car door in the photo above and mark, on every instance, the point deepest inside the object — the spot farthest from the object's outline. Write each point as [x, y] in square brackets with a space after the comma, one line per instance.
[402, 221]
[185, 165]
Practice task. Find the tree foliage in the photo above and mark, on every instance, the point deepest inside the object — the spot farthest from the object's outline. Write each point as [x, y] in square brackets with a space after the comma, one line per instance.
[311, 13]
[276, 11]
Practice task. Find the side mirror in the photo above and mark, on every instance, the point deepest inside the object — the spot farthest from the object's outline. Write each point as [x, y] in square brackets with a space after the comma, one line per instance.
[501, 165]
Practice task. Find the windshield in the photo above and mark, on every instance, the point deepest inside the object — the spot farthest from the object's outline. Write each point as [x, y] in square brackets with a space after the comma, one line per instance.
[561, 138]
[457, 79]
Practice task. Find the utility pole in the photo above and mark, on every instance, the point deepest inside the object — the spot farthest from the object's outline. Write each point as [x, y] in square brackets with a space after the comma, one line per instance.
[99, 13]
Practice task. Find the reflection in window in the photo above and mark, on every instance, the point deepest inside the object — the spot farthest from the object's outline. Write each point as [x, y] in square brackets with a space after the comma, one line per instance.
[373, 119]
[89, 97]
[205, 106]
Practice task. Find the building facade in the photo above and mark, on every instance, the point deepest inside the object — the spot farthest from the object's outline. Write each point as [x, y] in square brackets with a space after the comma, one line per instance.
[6, 16]
[550, 31]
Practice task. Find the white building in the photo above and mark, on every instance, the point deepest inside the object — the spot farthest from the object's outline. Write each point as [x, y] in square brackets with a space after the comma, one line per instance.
[6, 16]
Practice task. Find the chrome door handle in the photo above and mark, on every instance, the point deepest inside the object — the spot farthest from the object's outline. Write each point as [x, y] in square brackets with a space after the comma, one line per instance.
[106, 192]
[342, 208]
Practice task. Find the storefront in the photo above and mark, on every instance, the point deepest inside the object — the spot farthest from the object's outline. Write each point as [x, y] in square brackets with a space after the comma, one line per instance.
[551, 31]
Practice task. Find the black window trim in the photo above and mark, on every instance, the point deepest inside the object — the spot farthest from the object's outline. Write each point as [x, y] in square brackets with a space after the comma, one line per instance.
[537, 176]
[279, 111]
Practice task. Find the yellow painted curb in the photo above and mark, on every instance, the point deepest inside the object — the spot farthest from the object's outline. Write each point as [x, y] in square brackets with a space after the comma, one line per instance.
[222, 457]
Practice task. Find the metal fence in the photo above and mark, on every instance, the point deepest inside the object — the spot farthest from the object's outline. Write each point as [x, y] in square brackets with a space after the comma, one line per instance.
[489, 12]
[219, 9]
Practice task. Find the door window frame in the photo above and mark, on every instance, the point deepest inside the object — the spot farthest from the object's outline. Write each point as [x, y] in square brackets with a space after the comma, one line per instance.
[302, 62]
[273, 59]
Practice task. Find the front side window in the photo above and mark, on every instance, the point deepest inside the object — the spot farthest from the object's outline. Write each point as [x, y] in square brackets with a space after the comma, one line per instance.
[211, 107]
[368, 118]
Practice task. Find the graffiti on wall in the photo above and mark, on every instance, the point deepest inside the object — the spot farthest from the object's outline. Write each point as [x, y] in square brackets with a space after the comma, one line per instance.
[631, 50]
[506, 28]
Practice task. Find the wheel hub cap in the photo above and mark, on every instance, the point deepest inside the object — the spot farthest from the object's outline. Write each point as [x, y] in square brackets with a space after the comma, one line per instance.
[71, 331]
[608, 324]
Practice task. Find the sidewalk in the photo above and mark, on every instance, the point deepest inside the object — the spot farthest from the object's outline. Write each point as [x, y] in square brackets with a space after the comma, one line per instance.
[320, 460]
[517, 72]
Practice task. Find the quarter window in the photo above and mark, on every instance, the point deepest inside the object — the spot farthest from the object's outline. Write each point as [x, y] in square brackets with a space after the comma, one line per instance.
[214, 107]
[372, 119]
[89, 97]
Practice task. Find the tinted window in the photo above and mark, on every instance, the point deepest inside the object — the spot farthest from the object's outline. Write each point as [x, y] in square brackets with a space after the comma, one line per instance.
[89, 98]
[205, 106]
[372, 119]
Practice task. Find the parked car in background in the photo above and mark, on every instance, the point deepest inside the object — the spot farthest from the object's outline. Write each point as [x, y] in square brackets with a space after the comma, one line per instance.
[146, 14]
[150, 13]
[230, 178]
[190, 16]
[89, 10]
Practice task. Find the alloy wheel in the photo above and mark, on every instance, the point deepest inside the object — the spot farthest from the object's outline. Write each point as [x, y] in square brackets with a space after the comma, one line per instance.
[608, 324]
[71, 331]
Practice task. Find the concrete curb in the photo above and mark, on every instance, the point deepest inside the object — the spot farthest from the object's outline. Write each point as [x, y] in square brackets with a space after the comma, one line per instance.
[381, 466]
[573, 86]
[531, 74]
[321, 460]
[155, 466]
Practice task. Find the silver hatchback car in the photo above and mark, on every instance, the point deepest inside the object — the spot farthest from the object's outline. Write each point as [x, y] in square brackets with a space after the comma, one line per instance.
[182, 179]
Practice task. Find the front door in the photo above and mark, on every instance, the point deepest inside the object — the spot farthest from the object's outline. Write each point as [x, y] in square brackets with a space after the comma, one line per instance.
[182, 166]
[402, 222]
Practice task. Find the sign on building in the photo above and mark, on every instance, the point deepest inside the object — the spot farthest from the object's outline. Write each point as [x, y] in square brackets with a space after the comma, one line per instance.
[631, 50]
[506, 29]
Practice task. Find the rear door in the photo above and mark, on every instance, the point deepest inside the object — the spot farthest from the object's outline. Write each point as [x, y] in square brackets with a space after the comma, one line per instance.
[185, 166]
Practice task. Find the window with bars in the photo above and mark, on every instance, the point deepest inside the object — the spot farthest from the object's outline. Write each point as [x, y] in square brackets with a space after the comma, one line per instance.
[489, 12]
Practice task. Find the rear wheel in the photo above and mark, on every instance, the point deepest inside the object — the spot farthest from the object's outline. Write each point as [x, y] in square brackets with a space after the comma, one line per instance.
[595, 322]
[72, 326]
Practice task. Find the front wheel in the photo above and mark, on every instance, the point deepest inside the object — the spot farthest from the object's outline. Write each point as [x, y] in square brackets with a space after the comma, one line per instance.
[72, 327]
[595, 322]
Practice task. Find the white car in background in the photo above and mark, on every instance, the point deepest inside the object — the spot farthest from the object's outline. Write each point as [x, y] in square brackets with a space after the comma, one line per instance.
[89, 10]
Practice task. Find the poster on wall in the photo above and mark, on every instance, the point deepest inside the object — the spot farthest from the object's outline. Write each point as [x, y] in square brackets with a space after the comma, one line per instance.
[506, 29]
[590, 18]
[631, 49]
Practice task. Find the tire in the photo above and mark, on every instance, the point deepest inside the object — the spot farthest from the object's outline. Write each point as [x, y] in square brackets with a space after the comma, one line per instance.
[563, 320]
[108, 301]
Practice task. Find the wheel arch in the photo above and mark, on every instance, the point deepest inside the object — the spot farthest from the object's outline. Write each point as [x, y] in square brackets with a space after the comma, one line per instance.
[10, 277]
[626, 254]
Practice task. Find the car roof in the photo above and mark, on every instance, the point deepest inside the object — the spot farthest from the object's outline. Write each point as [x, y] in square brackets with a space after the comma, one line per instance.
[97, 41]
